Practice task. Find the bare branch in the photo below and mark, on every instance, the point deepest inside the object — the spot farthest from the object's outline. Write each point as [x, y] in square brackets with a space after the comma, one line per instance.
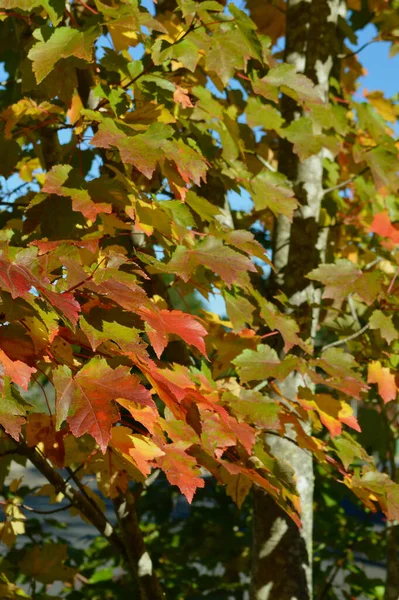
[347, 339]
[344, 183]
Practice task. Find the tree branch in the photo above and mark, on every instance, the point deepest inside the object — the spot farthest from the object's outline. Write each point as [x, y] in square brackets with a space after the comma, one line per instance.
[76, 499]
[347, 339]
[139, 559]
[373, 41]
[344, 183]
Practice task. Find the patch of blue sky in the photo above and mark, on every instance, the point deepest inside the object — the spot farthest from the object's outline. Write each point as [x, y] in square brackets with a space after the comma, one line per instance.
[137, 52]
[159, 252]
[215, 303]
[95, 168]
[241, 201]
[212, 87]
[149, 5]
[380, 67]
[64, 135]
[3, 74]
[102, 43]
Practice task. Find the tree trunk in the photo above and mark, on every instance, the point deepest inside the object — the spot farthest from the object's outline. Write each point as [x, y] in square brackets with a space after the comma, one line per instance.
[282, 554]
[392, 581]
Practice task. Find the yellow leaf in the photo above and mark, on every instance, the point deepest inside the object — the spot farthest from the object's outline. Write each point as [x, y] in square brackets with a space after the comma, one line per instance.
[383, 106]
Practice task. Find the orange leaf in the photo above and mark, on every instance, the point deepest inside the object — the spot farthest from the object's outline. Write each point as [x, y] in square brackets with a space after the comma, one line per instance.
[180, 96]
[383, 226]
[384, 379]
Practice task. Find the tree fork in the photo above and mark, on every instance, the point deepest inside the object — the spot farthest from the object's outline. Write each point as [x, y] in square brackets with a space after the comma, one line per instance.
[282, 554]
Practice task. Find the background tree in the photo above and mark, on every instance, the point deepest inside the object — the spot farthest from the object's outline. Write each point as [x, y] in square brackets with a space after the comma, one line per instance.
[124, 134]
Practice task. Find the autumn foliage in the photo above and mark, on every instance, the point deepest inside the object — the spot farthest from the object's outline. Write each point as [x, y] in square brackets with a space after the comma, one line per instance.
[118, 225]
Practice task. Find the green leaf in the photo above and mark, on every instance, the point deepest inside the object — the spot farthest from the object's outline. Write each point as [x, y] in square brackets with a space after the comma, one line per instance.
[273, 191]
[81, 200]
[239, 310]
[255, 408]
[202, 206]
[379, 320]
[297, 86]
[231, 266]
[142, 150]
[63, 43]
[226, 54]
[13, 408]
[306, 142]
[344, 278]
[248, 30]
[54, 8]
[265, 115]
[263, 363]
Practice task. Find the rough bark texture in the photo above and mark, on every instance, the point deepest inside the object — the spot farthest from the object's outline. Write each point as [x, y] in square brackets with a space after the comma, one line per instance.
[282, 554]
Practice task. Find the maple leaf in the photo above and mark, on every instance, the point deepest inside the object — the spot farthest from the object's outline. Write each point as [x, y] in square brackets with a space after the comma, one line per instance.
[81, 200]
[339, 366]
[382, 225]
[226, 54]
[286, 326]
[86, 400]
[273, 191]
[306, 142]
[384, 379]
[265, 115]
[142, 150]
[13, 407]
[46, 563]
[17, 371]
[254, 408]
[63, 43]
[262, 364]
[181, 469]
[160, 323]
[343, 278]
[332, 412]
[139, 450]
[379, 320]
[16, 278]
[239, 310]
[294, 84]
[180, 96]
[222, 260]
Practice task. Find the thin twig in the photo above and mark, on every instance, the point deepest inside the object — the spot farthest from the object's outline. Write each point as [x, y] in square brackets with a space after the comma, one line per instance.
[347, 339]
[88, 278]
[389, 290]
[373, 41]
[46, 512]
[92, 10]
[344, 183]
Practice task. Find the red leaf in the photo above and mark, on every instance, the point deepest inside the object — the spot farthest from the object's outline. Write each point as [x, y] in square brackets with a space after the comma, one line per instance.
[163, 322]
[17, 371]
[16, 278]
[85, 400]
[12, 425]
[66, 304]
[181, 469]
